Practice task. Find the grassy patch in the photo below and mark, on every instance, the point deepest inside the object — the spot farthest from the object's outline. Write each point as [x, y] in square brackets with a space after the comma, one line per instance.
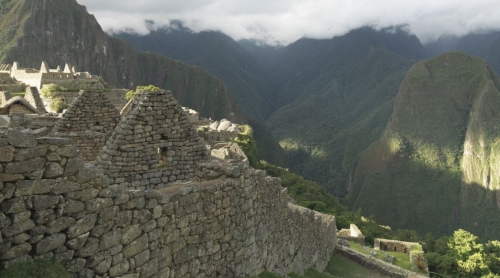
[18, 94]
[31, 269]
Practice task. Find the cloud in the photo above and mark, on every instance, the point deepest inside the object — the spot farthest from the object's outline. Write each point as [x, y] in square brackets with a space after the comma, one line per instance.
[285, 21]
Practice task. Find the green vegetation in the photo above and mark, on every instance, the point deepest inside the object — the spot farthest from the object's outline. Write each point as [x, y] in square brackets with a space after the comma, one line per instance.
[31, 269]
[49, 90]
[58, 105]
[131, 94]
[463, 255]
[420, 174]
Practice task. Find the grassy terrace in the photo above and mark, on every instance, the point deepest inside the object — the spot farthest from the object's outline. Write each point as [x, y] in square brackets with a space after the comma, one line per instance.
[400, 259]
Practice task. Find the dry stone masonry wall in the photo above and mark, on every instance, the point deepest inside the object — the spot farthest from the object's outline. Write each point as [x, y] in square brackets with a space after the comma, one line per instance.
[88, 121]
[154, 143]
[231, 221]
[33, 97]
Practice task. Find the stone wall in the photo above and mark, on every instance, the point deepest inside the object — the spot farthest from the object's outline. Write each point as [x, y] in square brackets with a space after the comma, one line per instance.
[4, 97]
[33, 121]
[393, 245]
[32, 95]
[16, 108]
[390, 271]
[152, 144]
[88, 121]
[232, 222]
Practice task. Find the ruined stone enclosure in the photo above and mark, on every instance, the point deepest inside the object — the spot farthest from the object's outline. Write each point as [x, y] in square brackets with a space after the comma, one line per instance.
[153, 144]
[129, 216]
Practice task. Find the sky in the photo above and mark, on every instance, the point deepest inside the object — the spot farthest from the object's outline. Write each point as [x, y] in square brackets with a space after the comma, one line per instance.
[285, 21]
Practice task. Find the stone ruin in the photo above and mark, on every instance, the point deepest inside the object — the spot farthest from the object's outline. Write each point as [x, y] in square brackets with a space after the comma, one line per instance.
[88, 121]
[152, 144]
[352, 234]
[116, 218]
[394, 245]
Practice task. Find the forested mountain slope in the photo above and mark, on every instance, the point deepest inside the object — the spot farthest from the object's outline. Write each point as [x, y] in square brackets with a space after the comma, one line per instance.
[435, 167]
[219, 55]
[336, 99]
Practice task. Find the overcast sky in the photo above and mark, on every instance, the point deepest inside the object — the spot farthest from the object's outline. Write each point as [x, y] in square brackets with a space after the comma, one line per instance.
[288, 20]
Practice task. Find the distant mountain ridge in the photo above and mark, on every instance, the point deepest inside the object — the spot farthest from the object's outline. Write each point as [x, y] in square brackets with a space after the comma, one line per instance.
[218, 54]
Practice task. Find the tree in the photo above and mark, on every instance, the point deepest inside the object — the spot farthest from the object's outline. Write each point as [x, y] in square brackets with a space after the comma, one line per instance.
[469, 250]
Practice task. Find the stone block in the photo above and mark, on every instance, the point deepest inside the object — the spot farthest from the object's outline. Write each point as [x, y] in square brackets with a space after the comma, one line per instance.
[60, 224]
[82, 226]
[32, 187]
[73, 207]
[26, 166]
[110, 239]
[136, 246]
[24, 154]
[54, 141]
[4, 221]
[65, 186]
[98, 204]
[98, 231]
[16, 251]
[78, 242]
[73, 165]
[75, 265]
[121, 269]
[41, 202]
[53, 170]
[150, 268]
[21, 138]
[13, 205]
[50, 243]
[6, 154]
[10, 177]
[186, 254]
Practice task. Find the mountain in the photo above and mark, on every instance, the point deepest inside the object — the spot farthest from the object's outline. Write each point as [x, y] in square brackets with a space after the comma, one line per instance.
[435, 167]
[219, 55]
[59, 31]
[224, 58]
[336, 98]
[483, 45]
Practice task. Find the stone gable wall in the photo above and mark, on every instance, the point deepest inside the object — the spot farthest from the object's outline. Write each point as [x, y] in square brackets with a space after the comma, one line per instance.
[153, 143]
[33, 97]
[4, 97]
[88, 121]
[233, 221]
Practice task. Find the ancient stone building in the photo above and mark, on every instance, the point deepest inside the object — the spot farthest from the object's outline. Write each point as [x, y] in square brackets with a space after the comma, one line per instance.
[45, 75]
[17, 104]
[153, 144]
[393, 245]
[153, 204]
[352, 234]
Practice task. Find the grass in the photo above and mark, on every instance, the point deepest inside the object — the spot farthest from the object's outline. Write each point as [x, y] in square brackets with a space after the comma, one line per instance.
[341, 266]
[18, 94]
[31, 269]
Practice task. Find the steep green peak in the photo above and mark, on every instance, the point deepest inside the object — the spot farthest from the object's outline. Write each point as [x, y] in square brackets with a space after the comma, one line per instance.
[436, 95]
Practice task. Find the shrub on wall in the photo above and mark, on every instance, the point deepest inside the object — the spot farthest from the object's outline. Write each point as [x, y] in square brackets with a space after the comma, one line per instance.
[58, 105]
